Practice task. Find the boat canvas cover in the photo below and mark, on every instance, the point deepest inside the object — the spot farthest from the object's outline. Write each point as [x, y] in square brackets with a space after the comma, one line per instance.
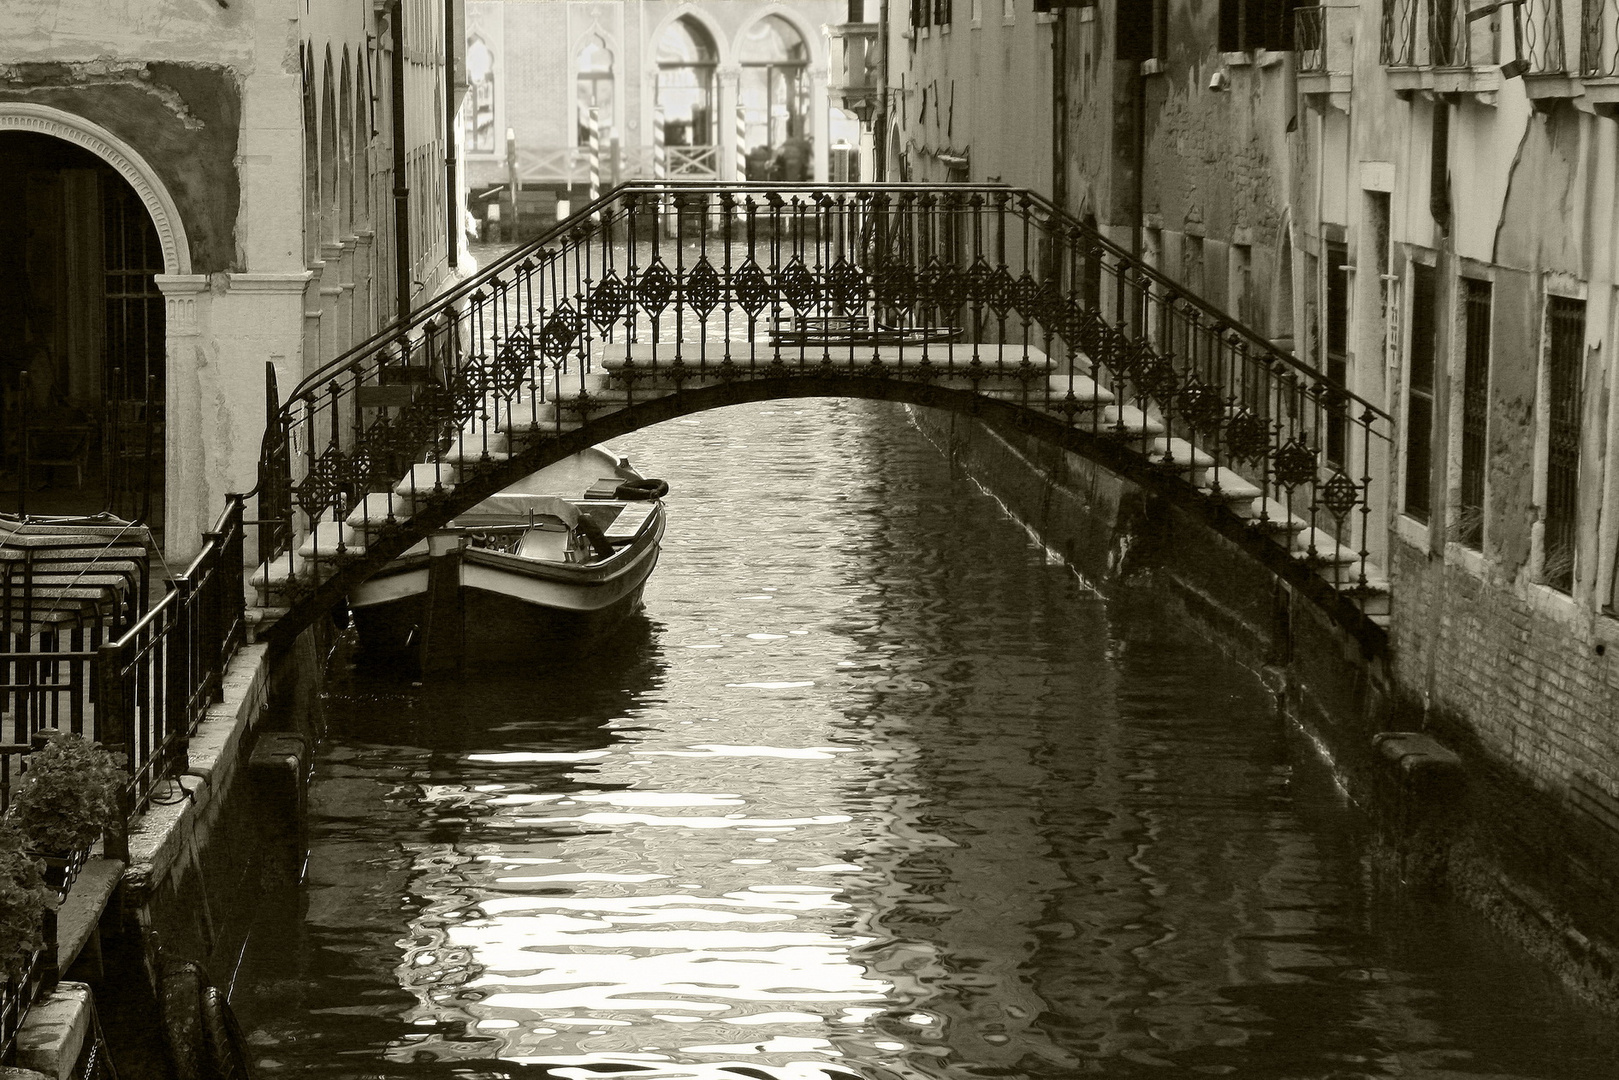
[513, 509]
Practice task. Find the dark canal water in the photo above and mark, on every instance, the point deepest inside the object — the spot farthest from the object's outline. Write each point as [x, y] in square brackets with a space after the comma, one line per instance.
[873, 791]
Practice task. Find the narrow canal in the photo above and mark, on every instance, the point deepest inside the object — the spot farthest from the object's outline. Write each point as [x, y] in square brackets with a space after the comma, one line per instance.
[875, 790]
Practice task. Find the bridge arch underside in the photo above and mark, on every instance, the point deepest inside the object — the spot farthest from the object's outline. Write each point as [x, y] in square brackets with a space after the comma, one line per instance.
[1118, 453]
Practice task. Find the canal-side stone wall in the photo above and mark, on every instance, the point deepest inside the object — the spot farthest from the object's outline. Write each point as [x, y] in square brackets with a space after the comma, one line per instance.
[1537, 862]
[199, 860]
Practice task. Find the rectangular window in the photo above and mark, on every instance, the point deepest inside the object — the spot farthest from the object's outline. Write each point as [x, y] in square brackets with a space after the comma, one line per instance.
[1140, 29]
[1475, 412]
[1256, 24]
[941, 12]
[1419, 393]
[1337, 372]
[1565, 370]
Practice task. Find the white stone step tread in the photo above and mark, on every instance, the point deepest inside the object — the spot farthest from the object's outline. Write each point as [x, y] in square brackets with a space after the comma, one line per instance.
[471, 454]
[332, 539]
[376, 508]
[1131, 419]
[280, 572]
[1327, 551]
[1179, 452]
[425, 476]
[1234, 487]
[1273, 516]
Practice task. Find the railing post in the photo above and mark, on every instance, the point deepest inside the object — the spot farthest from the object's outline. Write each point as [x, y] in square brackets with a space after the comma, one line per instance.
[180, 647]
[115, 732]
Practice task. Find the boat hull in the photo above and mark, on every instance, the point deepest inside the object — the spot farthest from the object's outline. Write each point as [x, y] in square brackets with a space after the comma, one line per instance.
[471, 607]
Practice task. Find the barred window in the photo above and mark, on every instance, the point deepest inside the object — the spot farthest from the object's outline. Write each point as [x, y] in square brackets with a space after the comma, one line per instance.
[1475, 413]
[1337, 311]
[1419, 393]
[1565, 366]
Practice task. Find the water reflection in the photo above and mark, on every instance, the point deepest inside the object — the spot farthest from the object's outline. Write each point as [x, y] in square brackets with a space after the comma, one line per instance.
[877, 793]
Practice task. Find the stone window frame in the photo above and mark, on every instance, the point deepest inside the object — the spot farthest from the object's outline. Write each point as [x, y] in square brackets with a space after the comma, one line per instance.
[1455, 402]
[1563, 286]
[1413, 530]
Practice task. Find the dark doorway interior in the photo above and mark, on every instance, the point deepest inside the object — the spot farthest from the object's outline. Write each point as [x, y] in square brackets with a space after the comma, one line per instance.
[81, 336]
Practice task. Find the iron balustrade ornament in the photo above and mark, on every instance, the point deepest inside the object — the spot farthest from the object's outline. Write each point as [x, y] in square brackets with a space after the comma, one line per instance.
[1542, 46]
[1599, 39]
[1310, 39]
[658, 293]
[1398, 41]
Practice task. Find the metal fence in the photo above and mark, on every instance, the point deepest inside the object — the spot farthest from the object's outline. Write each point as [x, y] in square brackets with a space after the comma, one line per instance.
[155, 682]
[1310, 39]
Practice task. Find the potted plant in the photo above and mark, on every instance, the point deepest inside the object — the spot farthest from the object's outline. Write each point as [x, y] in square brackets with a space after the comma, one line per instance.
[22, 905]
[68, 796]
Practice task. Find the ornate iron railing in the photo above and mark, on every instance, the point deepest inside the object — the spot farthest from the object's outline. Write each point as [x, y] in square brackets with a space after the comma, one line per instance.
[1599, 39]
[732, 282]
[1542, 45]
[1449, 34]
[1398, 39]
[1310, 39]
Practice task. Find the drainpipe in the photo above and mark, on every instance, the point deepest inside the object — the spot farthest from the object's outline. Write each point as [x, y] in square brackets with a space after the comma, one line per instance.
[401, 185]
[1137, 240]
[452, 204]
[1059, 110]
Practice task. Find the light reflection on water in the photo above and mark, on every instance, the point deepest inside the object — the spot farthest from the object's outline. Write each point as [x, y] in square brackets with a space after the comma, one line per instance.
[873, 792]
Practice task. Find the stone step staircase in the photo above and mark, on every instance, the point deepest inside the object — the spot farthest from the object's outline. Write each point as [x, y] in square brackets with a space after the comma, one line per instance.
[619, 375]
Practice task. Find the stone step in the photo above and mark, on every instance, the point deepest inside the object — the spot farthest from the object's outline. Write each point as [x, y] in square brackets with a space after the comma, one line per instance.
[427, 477]
[1128, 420]
[373, 511]
[1178, 454]
[332, 540]
[1274, 517]
[1318, 547]
[1233, 489]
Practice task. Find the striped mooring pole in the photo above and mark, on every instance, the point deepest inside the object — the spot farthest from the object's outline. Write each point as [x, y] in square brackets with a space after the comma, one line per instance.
[593, 126]
[660, 168]
[742, 144]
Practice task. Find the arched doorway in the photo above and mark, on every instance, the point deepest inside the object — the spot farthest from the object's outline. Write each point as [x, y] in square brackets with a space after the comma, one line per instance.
[775, 100]
[687, 60]
[82, 335]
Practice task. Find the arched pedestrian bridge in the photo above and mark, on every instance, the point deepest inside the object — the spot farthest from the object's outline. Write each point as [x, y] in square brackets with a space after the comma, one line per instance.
[659, 301]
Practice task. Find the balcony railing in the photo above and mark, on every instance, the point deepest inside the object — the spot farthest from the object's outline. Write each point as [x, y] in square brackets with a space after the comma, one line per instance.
[1310, 40]
[1426, 33]
[853, 60]
[1398, 46]
[1542, 44]
[1599, 39]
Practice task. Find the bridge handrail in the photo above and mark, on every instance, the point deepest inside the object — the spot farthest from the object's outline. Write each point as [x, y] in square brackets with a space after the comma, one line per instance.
[1253, 339]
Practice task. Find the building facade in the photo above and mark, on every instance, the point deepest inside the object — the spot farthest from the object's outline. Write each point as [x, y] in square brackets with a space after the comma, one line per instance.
[203, 189]
[737, 90]
[1417, 199]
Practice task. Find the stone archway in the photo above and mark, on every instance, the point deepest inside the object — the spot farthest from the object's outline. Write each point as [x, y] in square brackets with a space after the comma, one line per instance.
[156, 297]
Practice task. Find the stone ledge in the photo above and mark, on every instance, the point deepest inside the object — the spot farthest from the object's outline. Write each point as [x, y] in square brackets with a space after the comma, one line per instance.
[158, 839]
[53, 1034]
[1415, 752]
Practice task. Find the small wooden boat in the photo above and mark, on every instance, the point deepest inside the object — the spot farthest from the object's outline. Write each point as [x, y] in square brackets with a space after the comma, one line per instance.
[546, 569]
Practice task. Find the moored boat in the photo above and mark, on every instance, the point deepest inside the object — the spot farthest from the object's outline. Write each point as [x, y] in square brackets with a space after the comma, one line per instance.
[546, 569]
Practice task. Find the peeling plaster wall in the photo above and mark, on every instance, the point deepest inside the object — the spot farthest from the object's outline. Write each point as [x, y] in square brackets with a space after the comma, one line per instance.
[184, 119]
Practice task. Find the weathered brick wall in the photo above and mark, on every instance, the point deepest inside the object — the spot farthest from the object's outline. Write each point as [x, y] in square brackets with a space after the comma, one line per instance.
[1521, 688]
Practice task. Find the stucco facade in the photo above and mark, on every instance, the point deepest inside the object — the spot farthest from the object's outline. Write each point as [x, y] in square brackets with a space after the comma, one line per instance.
[257, 138]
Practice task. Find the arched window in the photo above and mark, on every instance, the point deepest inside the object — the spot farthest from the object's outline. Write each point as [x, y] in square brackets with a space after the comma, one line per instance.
[595, 89]
[480, 97]
[686, 60]
[775, 93]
